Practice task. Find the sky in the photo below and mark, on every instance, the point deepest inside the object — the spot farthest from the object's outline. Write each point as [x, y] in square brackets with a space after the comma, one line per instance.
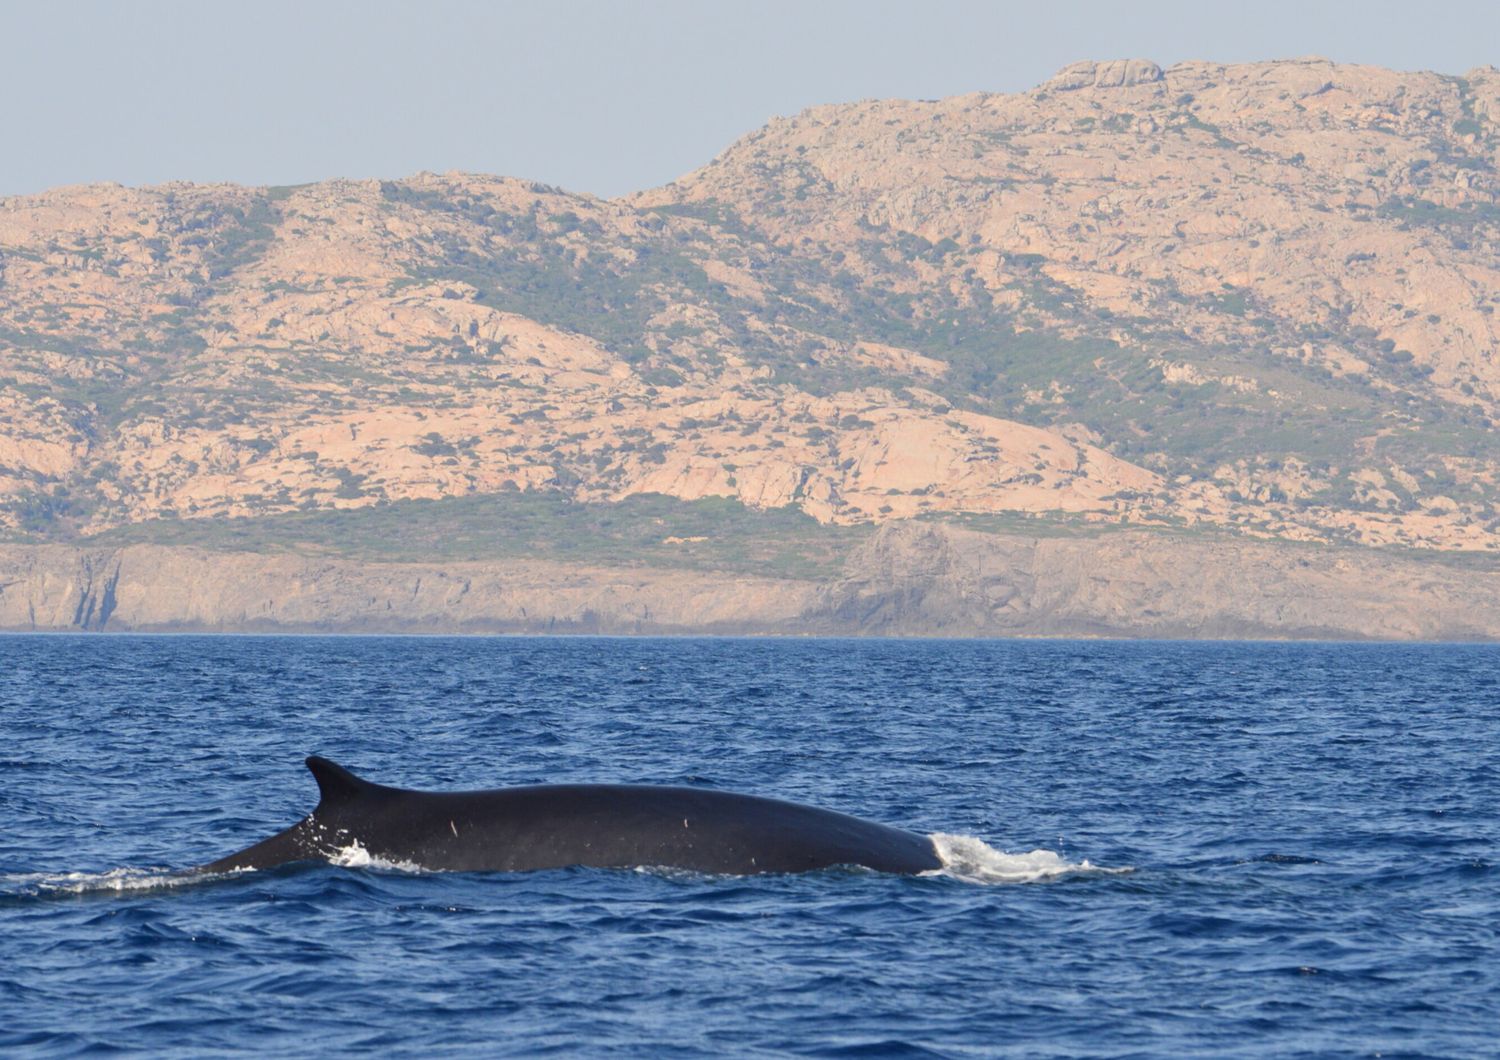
[593, 96]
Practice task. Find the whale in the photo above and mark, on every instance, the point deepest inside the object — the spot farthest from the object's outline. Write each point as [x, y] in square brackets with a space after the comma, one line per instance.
[553, 826]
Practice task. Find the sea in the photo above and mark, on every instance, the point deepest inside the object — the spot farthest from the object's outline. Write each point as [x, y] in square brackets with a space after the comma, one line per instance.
[1151, 849]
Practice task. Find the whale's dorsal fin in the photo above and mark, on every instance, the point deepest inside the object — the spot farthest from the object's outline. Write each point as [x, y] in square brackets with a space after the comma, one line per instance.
[336, 784]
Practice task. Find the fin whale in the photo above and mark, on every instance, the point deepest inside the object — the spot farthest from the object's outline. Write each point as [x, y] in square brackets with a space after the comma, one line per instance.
[596, 825]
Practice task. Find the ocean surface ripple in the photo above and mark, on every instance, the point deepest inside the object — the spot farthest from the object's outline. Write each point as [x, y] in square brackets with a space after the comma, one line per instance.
[1224, 849]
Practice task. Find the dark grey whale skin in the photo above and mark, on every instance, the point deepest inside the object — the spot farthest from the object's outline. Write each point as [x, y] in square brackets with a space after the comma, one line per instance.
[598, 825]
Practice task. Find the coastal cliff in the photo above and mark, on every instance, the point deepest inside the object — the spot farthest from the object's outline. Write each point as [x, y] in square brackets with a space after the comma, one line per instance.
[908, 579]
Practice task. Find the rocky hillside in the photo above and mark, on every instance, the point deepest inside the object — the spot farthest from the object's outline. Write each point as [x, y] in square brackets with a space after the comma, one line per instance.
[1258, 300]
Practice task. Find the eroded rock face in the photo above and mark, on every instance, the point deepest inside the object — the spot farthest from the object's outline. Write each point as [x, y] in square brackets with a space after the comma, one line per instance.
[920, 579]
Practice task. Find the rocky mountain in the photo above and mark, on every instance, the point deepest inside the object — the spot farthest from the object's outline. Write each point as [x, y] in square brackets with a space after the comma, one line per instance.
[1252, 306]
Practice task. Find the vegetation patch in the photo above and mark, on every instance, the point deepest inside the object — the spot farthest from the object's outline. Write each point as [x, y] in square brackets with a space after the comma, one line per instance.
[648, 530]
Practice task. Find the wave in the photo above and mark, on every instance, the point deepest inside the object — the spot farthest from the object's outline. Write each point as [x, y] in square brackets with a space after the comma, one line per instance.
[971, 859]
[112, 881]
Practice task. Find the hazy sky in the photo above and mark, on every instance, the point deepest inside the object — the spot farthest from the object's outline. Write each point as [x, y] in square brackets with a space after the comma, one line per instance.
[594, 96]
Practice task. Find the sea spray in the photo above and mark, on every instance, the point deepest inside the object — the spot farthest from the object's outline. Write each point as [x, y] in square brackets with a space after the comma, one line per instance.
[972, 860]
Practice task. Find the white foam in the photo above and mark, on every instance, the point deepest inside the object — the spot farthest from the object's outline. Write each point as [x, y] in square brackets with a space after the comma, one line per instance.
[116, 881]
[971, 859]
[355, 856]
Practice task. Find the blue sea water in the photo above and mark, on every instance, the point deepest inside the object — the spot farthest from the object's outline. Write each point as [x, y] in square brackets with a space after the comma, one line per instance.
[1192, 848]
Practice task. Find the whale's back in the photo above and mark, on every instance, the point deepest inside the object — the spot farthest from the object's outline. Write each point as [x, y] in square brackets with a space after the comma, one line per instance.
[596, 825]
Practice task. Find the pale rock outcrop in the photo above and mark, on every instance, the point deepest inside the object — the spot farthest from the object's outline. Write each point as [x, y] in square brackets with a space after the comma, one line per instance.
[1113, 73]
